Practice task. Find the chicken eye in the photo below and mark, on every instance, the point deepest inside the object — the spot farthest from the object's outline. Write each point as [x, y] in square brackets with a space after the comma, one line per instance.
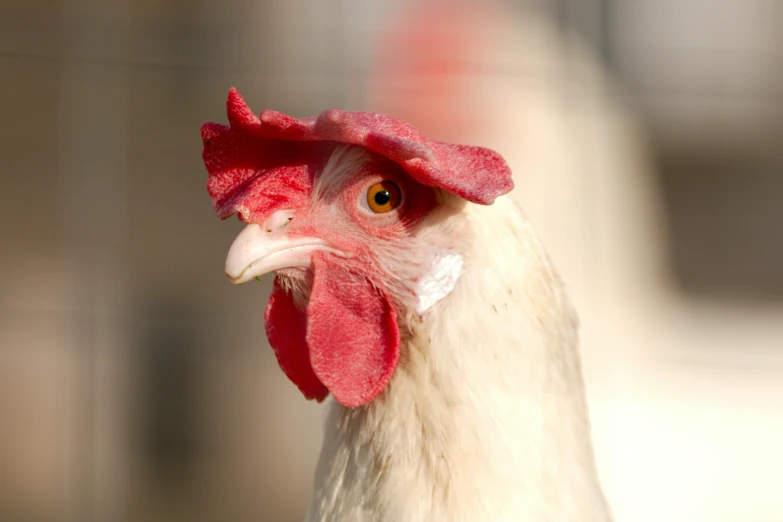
[384, 197]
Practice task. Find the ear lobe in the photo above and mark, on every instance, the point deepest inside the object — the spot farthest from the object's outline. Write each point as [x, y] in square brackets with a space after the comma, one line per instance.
[352, 333]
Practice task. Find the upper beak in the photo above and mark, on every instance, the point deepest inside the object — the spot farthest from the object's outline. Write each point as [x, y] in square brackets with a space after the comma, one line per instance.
[256, 251]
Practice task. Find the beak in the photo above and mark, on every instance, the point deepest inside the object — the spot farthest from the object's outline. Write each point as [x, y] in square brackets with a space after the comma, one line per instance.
[256, 252]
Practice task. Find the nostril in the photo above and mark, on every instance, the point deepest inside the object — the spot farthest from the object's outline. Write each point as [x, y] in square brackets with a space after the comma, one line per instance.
[278, 220]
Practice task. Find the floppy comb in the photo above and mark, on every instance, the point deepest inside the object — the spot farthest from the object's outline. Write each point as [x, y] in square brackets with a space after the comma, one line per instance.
[272, 155]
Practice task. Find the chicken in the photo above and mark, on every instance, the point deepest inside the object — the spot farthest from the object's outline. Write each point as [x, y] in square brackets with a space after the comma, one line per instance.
[413, 290]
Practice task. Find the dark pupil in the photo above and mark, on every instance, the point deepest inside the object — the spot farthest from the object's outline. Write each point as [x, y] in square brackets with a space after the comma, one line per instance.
[382, 197]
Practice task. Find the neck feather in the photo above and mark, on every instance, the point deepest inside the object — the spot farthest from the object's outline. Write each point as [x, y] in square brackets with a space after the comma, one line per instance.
[485, 418]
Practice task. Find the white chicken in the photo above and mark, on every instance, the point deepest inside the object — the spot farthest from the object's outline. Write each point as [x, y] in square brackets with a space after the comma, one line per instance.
[423, 304]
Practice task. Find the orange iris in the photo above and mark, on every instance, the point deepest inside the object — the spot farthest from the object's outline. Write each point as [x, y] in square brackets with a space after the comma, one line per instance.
[384, 197]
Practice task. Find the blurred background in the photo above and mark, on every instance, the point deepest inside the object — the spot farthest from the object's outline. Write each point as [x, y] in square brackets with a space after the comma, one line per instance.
[136, 382]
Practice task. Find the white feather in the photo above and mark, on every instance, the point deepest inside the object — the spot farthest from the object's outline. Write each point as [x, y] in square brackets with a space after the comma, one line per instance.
[485, 418]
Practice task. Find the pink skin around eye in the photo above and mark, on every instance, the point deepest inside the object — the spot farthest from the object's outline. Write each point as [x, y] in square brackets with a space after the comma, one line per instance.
[417, 200]
[348, 224]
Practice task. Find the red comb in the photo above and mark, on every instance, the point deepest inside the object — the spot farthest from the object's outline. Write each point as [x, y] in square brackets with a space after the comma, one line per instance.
[241, 157]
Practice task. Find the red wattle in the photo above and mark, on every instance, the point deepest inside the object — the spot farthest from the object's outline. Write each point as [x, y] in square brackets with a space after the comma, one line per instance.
[351, 332]
[286, 328]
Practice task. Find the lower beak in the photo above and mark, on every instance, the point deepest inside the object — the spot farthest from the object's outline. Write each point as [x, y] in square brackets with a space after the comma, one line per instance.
[256, 252]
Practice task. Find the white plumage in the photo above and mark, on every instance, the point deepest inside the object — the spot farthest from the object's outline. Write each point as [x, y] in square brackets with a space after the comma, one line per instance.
[485, 418]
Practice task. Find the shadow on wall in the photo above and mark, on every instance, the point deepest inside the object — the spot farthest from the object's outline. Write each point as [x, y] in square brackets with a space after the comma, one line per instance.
[165, 371]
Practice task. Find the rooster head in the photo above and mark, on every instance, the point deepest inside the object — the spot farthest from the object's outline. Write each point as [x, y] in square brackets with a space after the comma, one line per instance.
[335, 205]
